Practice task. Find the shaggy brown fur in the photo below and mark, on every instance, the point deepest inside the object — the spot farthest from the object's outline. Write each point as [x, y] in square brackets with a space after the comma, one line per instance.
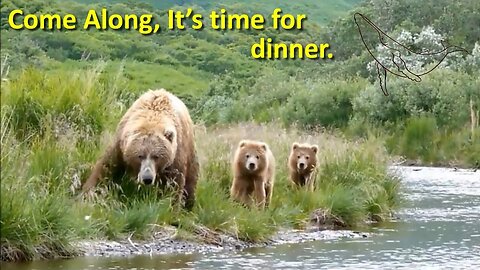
[254, 174]
[154, 142]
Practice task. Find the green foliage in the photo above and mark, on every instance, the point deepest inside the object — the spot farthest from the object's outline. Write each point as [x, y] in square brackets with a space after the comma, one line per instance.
[427, 121]
[34, 223]
[183, 60]
[276, 96]
[356, 184]
[418, 138]
[318, 12]
[453, 19]
[422, 139]
[72, 102]
[446, 100]
[322, 103]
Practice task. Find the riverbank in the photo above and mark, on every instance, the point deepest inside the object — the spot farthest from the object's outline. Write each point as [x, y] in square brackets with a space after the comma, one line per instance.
[453, 165]
[166, 242]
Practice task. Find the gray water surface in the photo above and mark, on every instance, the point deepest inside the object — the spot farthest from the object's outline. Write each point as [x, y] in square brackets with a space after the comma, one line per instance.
[439, 228]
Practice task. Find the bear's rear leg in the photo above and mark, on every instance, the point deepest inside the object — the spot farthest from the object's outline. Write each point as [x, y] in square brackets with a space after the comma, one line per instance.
[268, 194]
[189, 197]
[191, 182]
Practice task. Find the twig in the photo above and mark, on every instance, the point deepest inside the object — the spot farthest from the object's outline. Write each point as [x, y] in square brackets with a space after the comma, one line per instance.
[131, 243]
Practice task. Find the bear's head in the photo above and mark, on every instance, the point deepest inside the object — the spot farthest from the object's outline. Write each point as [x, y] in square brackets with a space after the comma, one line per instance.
[303, 157]
[149, 150]
[252, 156]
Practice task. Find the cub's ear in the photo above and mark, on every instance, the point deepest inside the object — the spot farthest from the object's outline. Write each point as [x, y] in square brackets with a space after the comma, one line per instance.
[169, 134]
[242, 143]
[264, 146]
[315, 148]
[295, 145]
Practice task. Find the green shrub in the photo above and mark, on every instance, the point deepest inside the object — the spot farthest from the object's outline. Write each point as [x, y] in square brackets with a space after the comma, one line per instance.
[445, 100]
[419, 138]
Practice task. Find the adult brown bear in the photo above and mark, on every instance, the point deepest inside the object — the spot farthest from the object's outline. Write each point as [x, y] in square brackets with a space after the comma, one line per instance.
[154, 141]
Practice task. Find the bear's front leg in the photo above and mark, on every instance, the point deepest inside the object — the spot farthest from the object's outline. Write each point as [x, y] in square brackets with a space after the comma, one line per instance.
[108, 163]
[236, 190]
[268, 194]
[179, 191]
[260, 196]
[95, 175]
[239, 192]
[311, 181]
[172, 180]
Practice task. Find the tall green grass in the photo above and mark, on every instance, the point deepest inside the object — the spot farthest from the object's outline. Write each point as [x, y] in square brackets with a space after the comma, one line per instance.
[423, 140]
[74, 114]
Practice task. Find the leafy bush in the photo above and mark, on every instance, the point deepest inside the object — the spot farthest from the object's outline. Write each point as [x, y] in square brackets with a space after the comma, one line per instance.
[322, 103]
[446, 100]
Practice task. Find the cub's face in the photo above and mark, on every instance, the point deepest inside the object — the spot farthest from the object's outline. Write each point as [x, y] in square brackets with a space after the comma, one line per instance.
[149, 154]
[251, 156]
[303, 157]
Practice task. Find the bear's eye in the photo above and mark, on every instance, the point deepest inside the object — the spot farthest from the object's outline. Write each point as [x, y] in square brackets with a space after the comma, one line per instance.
[307, 157]
[258, 157]
[298, 157]
[169, 135]
[155, 156]
[248, 156]
[141, 156]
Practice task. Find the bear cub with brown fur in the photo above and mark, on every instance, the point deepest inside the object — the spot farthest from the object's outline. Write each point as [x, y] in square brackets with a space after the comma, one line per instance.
[302, 164]
[253, 174]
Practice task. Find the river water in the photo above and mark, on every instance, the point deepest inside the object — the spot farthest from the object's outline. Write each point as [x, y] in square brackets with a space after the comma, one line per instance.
[438, 228]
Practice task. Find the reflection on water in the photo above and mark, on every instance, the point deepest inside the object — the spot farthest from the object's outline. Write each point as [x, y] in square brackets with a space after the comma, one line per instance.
[132, 263]
[439, 227]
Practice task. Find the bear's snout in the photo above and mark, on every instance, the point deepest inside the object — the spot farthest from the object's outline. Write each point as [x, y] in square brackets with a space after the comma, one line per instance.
[302, 163]
[251, 166]
[147, 180]
[147, 173]
[147, 177]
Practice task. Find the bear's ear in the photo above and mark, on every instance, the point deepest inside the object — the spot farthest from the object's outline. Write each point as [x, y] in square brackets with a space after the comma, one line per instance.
[242, 143]
[264, 146]
[295, 145]
[315, 148]
[169, 135]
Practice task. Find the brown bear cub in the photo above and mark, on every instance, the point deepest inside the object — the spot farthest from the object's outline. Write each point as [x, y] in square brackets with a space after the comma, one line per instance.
[302, 165]
[253, 174]
[154, 143]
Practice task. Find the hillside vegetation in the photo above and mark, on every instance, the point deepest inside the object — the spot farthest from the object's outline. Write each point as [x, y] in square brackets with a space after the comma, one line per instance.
[318, 11]
[181, 59]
